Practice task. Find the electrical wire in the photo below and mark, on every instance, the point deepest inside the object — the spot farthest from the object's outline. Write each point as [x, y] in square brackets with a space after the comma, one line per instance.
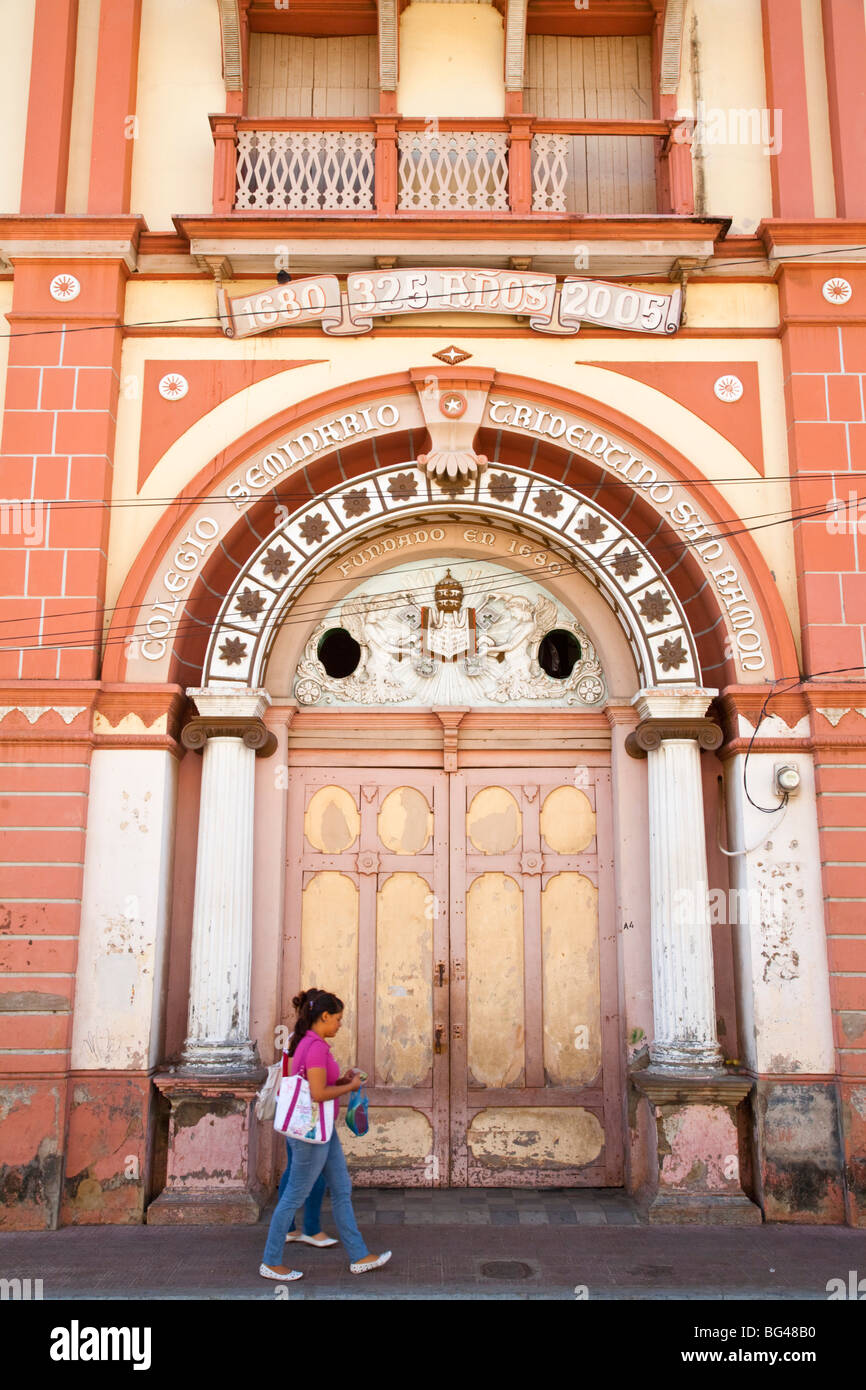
[609, 484]
[552, 571]
[720, 807]
[795, 681]
[363, 305]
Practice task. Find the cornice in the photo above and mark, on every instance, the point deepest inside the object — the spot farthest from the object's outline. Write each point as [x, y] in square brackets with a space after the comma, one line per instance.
[829, 232]
[748, 701]
[71, 225]
[262, 225]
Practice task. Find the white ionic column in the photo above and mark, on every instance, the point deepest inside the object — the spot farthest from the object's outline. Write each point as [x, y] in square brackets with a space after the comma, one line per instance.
[671, 734]
[230, 734]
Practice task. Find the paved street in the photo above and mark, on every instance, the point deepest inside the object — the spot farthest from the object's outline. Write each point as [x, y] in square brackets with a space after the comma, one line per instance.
[450, 1245]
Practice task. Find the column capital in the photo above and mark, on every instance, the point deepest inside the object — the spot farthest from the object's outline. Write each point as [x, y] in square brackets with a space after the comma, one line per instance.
[252, 732]
[651, 733]
[235, 712]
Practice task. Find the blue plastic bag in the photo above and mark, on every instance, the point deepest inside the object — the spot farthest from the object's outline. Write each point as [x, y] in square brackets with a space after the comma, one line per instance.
[358, 1113]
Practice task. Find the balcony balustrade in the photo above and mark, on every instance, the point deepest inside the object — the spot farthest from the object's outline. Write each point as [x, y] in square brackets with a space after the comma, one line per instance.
[387, 166]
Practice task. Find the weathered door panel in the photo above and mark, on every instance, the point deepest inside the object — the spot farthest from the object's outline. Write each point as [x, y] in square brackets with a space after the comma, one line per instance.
[368, 918]
[534, 1062]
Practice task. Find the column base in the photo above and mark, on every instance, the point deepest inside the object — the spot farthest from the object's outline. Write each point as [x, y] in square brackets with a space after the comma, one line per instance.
[697, 1061]
[239, 1058]
[206, 1209]
[684, 1209]
[697, 1167]
[212, 1143]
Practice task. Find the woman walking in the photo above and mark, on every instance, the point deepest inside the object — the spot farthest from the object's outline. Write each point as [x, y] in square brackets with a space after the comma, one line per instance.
[320, 1016]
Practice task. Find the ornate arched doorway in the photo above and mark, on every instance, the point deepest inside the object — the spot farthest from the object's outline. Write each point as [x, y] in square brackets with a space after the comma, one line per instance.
[457, 841]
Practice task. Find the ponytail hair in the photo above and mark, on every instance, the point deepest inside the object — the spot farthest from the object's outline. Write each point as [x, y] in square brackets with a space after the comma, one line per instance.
[310, 1005]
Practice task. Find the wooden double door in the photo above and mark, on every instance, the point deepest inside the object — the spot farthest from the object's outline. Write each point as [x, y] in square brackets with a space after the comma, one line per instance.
[466, 921]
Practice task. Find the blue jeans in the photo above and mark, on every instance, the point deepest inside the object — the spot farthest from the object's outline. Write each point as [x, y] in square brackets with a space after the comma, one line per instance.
[313, 1204]
[309, 1162]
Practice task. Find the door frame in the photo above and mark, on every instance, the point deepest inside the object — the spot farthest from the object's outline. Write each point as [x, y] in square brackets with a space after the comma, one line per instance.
[443, 1168]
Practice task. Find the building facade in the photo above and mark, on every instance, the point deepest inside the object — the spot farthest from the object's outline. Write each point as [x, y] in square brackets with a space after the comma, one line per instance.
[433, 452]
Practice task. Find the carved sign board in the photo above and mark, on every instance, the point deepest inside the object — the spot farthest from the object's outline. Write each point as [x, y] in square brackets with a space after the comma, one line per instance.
[551, 307]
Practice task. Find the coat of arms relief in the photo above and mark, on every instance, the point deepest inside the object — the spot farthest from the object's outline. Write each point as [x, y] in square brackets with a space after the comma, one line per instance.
[446, 642]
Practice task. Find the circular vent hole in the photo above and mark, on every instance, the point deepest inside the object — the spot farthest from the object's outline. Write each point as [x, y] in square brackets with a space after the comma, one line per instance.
[339, 653]
[558, 653]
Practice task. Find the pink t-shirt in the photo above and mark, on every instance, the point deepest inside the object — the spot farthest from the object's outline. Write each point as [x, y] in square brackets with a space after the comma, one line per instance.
[313, 1051]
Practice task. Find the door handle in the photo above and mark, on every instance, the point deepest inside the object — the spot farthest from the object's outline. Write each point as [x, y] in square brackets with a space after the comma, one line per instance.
[439, 1045]
[440, 971]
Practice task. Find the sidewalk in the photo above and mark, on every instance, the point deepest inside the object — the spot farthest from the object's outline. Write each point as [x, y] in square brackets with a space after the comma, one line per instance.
[474, 1245]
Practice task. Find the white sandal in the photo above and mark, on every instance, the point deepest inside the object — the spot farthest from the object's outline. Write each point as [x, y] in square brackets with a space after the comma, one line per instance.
[361, 1267]
[311, 1240]
[267, 1273]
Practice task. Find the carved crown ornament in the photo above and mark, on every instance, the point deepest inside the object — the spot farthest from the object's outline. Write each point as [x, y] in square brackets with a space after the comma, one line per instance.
[476, 642]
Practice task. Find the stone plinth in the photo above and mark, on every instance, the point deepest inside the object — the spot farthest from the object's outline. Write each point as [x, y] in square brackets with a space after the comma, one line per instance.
[698, 1177]
[212, 1144]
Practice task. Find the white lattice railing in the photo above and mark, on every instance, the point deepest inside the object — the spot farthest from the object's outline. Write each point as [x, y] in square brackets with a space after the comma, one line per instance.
[549, 172]
[453, 171]
[596, 167]
[330, 170]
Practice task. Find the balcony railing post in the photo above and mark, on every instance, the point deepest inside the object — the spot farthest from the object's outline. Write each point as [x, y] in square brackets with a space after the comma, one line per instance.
[677, 157]
[520, 165]
[225, 134]
[386, 165]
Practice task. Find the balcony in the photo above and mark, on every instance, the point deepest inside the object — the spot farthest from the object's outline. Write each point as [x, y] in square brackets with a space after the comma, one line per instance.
[387, 167]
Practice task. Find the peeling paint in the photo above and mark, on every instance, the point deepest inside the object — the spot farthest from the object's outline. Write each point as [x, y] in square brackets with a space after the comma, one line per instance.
[396, 1137]
[858, 1100]
[544, 1136]
[567, 820]
[494, 948]
[33, 1001]
[571, 991]
[329, 950]
[697, 1144]
[332, 823]
[779, 885]
[12, 1097]
[404, 982]
[493, 821]
[405, 821]
[800, 1152]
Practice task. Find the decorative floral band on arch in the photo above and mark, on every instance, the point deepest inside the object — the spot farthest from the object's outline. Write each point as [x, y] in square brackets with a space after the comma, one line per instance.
[400, 501]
